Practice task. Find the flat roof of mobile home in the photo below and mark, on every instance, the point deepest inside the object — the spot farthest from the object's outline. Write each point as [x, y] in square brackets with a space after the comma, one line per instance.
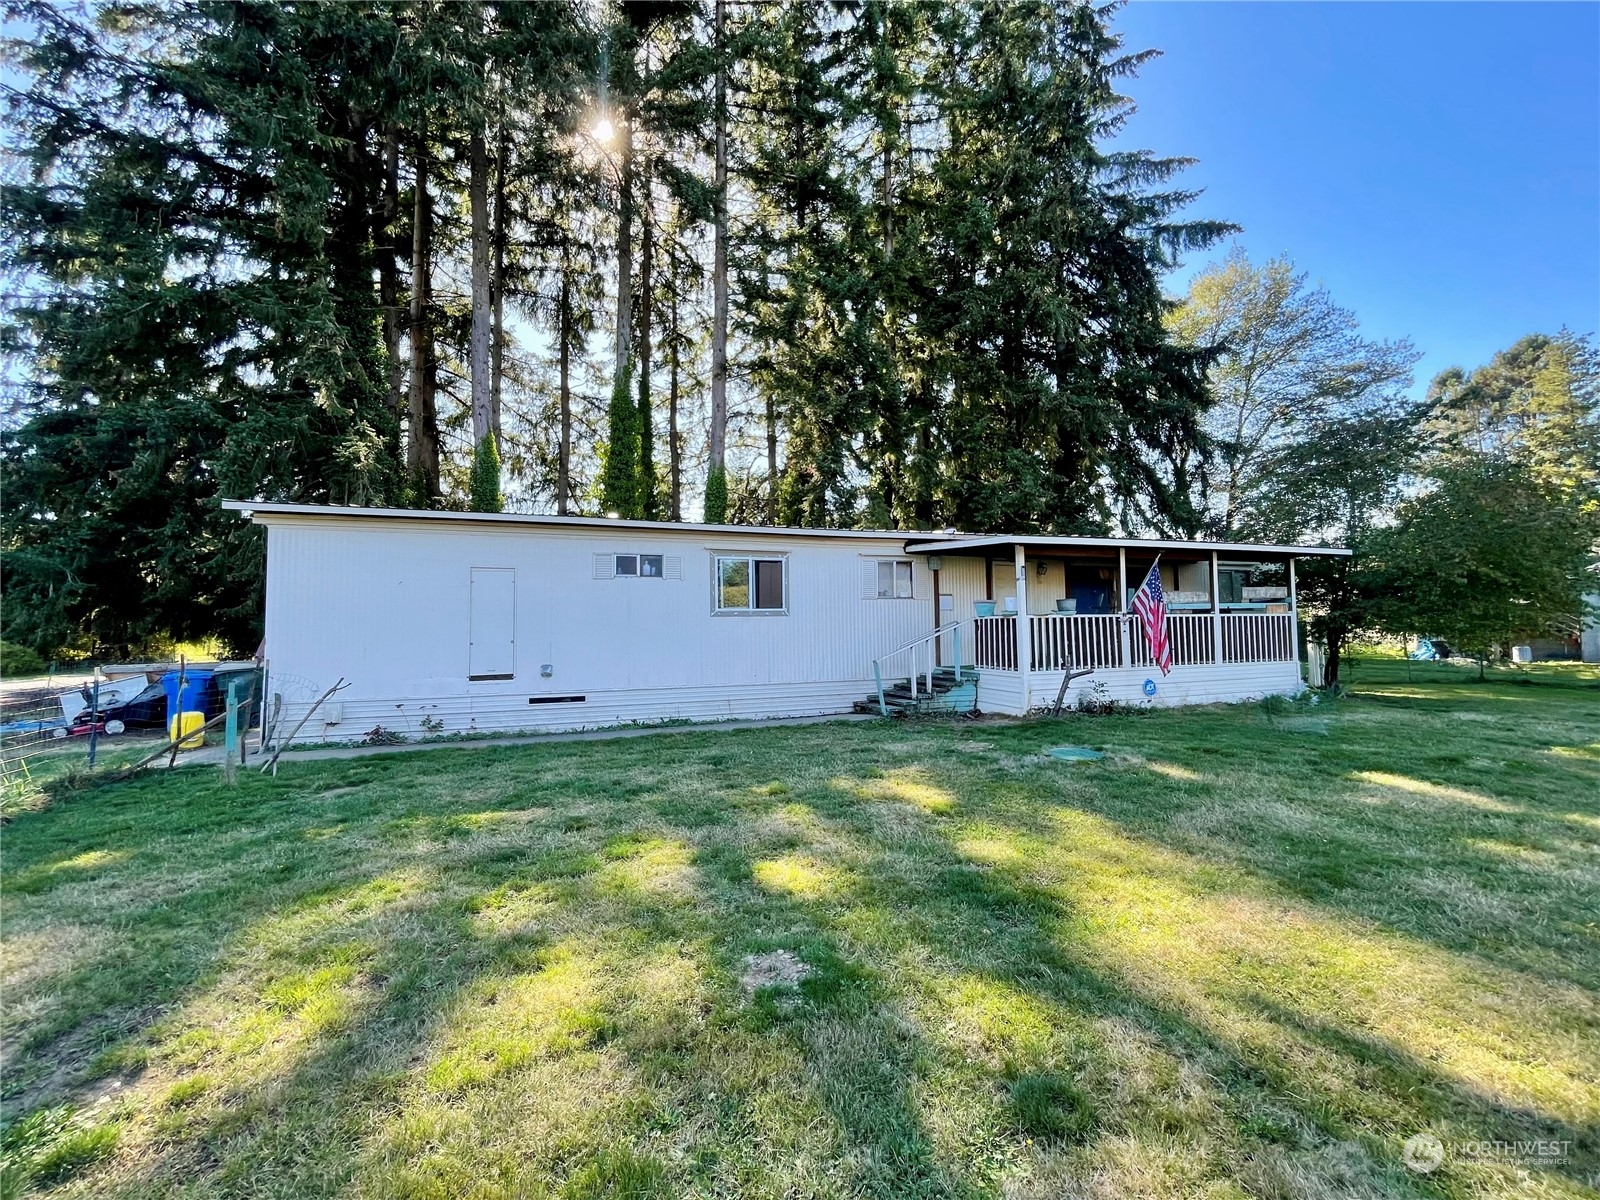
[916, 541]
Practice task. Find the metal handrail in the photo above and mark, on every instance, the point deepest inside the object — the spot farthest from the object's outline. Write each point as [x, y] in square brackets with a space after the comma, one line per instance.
[926, 639]
[923, 637]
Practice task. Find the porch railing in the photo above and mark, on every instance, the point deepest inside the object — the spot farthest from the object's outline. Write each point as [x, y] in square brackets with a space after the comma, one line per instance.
[1088, 641]
[1108, 641]
[1257, 637]
[1190, 635]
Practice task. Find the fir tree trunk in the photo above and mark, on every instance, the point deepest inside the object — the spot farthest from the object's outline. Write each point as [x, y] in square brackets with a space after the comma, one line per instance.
[482, 317]
[564, 367]
[497, 282]
[624, 249]
[647, 436]
[922, 506]
[422, 451]
[772, 459]
[718, 432]
[360, 389]
[674, 442]
[389, 272]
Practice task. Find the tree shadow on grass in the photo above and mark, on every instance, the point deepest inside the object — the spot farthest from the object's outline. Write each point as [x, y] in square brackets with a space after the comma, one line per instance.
[997, 923]
[909, 893]
[1480, 856]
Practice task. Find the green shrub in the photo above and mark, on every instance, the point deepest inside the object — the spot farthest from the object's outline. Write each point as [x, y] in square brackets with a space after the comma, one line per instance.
[486, 495]
[18, 660]
[717, 497]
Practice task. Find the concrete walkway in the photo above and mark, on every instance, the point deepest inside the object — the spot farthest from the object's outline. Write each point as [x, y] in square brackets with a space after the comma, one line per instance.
[212, 755]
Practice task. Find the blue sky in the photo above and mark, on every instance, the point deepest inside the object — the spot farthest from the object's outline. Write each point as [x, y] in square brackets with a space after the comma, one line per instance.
[1435, 165]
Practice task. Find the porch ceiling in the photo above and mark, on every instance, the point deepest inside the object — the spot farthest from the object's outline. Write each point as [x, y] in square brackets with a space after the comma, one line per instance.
[1053, 547]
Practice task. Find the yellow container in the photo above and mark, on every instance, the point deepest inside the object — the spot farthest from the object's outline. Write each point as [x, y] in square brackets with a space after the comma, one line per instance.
[187, 726]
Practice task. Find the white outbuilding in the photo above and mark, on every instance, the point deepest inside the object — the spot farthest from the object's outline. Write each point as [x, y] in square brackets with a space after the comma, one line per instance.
[448, 622]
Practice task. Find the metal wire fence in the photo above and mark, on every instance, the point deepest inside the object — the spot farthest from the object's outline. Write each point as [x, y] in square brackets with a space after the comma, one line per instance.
[57, 727]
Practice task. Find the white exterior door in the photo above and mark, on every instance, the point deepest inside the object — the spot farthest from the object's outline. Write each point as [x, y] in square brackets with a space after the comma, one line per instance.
[492, 624]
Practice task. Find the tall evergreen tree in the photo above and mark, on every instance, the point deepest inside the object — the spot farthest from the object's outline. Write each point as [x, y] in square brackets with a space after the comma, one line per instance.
[198, 234]
[1068, 405]
[289, 250]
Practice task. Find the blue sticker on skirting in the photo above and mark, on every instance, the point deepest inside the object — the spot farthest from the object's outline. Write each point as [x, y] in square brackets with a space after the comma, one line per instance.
[1149, 687]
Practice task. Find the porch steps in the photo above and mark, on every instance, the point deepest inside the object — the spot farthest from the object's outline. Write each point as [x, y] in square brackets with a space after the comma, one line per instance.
[948, 695]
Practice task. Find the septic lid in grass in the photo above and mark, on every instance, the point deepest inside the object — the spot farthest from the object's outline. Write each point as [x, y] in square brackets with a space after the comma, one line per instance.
[1074, 753]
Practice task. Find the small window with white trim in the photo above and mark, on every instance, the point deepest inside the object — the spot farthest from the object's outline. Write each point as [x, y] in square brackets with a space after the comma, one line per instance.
[640, 566]
[746, 583]
[894, 579]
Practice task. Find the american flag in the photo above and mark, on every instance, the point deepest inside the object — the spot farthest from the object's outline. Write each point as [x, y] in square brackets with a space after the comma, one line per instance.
[1150, 602]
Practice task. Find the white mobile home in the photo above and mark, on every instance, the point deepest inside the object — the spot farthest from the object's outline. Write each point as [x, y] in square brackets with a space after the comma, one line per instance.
[456, 622]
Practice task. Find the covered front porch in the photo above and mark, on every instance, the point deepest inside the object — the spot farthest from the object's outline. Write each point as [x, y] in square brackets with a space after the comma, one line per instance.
[1018, 613]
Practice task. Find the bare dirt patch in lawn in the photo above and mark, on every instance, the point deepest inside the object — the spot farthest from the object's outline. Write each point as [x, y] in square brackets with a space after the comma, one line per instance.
[775, 969]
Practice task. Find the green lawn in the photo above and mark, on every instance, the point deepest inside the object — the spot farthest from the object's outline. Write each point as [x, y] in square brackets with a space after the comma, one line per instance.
[1249, 953]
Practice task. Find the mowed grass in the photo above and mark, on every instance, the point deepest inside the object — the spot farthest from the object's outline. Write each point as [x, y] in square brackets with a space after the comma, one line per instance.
[1249, 953]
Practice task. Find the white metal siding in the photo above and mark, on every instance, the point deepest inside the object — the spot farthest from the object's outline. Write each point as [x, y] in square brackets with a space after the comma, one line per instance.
[1001, 691]
[387, 606]
[1044, 592]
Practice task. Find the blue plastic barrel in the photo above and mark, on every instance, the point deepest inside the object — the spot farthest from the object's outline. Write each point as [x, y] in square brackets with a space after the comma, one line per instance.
[196, 681]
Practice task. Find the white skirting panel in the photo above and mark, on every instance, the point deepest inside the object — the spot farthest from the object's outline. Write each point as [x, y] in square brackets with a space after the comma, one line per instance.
[504, 712]
[1001, 691]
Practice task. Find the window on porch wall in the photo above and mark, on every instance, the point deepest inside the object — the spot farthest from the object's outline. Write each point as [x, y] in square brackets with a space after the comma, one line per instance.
[894, 579]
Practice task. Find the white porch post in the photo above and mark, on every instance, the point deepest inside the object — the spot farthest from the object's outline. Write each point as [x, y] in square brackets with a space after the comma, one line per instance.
[1124, 642]
[1024, 643]
[1294, 621]
[1216, 610]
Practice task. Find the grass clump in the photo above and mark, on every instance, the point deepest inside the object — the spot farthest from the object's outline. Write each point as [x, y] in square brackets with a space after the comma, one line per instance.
[50, 1146]
[618, 1175]
[1050, 1108]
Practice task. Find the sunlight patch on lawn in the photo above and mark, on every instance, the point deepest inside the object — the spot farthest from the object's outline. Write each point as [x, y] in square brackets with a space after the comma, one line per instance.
[906, 785]
[500, 1024]
[505, 1136]
[258, 1025]
[995, 850]
[1173, 771]
[785, 825]
[34, 966]
[53, 874]
[1512, 851]
[91, 859]
[986, 1018]
[545, 1058]
[1433, 791]
[1591, 752]
[1185, 935]
[657, 867]
[799, 876]
[498, 817]
[511, 908]
[291, 984]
